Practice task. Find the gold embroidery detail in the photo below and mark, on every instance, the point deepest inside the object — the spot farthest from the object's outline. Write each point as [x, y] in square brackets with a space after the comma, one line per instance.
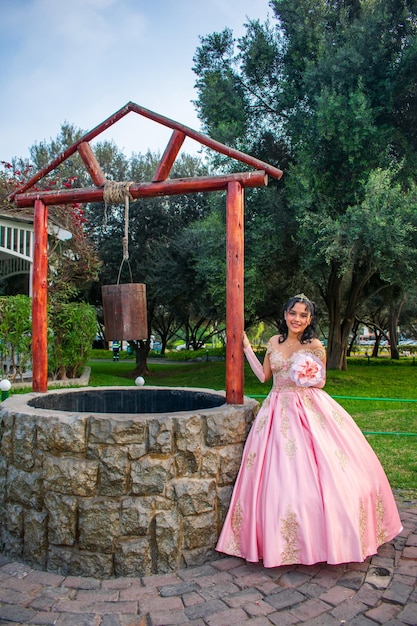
[342, 458]
[250, 460]
[267, 401]
[362, 527]
[285, 401]
[291, 448]
[309, 404]
[264, 412]
[261, 423]
[319, 416]
[285, 422]
[381, 534]
[289, 531]
[319, 352]
[237, 517]
[338, 418]
[233, 545]
[289, 387]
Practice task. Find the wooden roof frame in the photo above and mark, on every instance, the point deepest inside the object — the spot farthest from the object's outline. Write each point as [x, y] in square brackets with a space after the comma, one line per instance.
[233, 184]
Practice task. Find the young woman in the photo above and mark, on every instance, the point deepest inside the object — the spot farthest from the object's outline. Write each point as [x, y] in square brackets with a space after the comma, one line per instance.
[310, 488]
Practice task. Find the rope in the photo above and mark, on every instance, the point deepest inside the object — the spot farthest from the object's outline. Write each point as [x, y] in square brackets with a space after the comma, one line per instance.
[125, 241]
[115, 193]
[126, 235]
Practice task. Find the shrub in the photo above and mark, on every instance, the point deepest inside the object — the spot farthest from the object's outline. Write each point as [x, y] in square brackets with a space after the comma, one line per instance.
[15, 335]
[73, 327]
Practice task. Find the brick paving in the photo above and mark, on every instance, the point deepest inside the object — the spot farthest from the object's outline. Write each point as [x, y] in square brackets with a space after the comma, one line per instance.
[226, 592]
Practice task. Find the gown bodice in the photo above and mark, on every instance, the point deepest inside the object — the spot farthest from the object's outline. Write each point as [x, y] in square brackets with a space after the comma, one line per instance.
[281, 365]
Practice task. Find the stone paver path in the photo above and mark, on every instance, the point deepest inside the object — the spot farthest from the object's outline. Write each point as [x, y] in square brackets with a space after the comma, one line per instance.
[226, 592]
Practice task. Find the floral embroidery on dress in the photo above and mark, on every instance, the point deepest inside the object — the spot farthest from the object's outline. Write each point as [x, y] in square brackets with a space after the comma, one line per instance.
[381, 534]
[290, 445]
[267, 401]
[285, 422]
[362, 527]
[261, 423]
[320, 352]
[250, 460]
[317, 414]
[276, 360]
[338, 418]
[233, 545]
[342, 458]
[290, 448]
[289, 531]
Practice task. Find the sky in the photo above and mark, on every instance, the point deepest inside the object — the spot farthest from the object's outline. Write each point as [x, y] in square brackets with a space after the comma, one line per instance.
[80, 61]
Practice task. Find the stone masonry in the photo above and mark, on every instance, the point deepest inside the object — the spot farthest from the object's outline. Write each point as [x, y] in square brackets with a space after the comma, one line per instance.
[104, 495]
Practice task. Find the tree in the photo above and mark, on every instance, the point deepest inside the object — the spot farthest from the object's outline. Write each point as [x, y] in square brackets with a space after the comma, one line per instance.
[166, 324]
[360, 254]
[330, 90]
[349, 127]
[73, 263]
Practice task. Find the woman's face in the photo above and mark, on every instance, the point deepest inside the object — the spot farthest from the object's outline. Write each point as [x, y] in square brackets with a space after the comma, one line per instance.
[297, 318]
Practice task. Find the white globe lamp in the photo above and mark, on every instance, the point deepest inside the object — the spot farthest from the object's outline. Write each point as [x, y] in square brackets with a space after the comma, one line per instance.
[5, 386]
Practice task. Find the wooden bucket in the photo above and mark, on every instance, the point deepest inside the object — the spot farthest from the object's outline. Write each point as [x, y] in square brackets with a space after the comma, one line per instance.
[124, 308]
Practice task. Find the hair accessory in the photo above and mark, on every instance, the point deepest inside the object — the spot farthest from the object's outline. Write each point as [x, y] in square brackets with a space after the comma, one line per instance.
[302, 296]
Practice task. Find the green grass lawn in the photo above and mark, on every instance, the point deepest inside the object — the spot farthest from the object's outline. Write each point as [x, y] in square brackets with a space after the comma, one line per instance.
[397, 452]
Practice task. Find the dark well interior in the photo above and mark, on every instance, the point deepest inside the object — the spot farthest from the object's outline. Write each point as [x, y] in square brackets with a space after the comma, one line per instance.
[128, 400]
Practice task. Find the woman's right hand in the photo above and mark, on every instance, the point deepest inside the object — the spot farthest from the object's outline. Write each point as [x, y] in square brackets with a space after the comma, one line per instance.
[246, 342]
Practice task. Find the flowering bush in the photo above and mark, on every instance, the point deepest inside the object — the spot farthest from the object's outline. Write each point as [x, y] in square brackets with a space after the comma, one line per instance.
[307, 370]
[73, 264]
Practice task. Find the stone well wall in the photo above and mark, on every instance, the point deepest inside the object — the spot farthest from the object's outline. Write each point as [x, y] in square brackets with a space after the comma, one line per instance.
[101, 494]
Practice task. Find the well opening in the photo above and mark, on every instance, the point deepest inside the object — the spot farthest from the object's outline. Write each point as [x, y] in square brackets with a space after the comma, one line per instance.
[129, 400]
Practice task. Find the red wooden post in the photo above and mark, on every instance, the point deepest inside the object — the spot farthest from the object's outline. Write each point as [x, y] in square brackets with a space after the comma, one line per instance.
[39, 299]
[234, 294]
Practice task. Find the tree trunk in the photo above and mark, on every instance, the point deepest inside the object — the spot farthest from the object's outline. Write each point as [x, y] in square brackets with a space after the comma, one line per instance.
[333, 301]
[141, 353]
[393, 317]
[378, 337]
[339, 329]
[62, 374]
[353, 337]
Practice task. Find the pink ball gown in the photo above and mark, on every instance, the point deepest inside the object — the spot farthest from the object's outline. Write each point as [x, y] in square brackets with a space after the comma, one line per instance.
[310, 489]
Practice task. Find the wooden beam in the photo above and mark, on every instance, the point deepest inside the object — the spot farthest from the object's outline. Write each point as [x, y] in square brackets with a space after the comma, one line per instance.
[208, 141]
[234, 294]
[92, 134]
[39, 300]
[146, 190]
[161, 119]
[97, 175]
[169, 156]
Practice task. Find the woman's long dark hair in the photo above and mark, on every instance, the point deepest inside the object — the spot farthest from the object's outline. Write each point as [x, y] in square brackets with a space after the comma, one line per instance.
[311, 331]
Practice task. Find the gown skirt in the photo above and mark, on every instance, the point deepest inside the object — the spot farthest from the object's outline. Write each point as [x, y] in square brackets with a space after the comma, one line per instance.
[310, 489]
